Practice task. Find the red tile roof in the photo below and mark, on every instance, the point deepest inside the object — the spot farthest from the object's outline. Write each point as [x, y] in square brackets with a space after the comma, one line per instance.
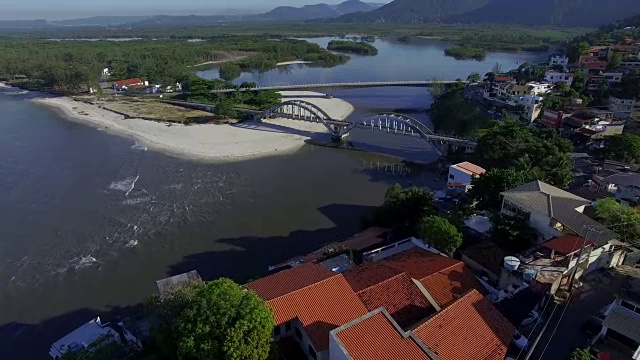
[566, 244]
[503, 78]
[446, 279]
[471, 169]
[128, 82]
[320, 302]
[376, 338]
[285, 282]
[469, 329]
[378, 286]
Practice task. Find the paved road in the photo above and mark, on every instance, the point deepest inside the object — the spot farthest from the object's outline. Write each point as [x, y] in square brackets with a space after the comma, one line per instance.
[597, 292]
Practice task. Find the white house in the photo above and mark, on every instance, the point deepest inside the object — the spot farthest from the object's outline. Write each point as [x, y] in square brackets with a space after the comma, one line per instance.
[613, 77]
[553, 212]
[620, 106]
[460, 175]
[532, 106]
[87, 334]
[554, 77]
[559, 60]
[539, 88]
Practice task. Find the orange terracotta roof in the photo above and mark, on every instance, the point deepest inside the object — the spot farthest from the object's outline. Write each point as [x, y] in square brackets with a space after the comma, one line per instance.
[379, 286]
[469, 329]
[566, 244]
[374, 337]
[503, 78]
[320, 302]
[446, 279]
[127, 82]
[469, 168]
[285, 282]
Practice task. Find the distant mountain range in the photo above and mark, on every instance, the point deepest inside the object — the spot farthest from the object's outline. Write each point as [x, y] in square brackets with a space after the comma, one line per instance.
[542, 12]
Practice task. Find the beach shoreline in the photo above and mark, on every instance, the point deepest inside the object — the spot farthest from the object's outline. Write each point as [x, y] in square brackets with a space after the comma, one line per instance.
[203, 142]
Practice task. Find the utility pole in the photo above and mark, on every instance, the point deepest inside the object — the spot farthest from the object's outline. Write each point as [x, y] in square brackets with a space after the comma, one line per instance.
[575, 270]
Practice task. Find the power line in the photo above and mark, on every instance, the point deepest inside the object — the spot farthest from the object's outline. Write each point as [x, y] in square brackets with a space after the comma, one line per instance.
[557, 324]
[538, 322]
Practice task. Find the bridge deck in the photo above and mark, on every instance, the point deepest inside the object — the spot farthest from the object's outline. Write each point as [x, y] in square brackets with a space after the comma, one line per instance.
[415, 83]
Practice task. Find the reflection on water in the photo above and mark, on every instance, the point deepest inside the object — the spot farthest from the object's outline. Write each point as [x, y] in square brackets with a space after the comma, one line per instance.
[422, 59]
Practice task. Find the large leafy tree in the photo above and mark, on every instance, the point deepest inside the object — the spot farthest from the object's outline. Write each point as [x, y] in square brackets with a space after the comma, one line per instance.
[580, 79]
[452, 114]
[404, 207]
[487, 188]
[624, 147]
[541, 153]
[440, 233]
[216, 320]
[577, 50]
[621, 218]
[512, 233]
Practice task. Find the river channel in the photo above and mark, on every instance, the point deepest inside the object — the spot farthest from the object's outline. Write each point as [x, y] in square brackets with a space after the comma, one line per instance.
[89, 220]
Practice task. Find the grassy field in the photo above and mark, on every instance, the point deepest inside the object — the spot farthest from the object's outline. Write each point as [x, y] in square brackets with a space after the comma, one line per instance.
[153, 109]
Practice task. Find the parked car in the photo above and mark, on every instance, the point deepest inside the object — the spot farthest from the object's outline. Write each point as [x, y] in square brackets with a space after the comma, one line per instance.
[520, 341]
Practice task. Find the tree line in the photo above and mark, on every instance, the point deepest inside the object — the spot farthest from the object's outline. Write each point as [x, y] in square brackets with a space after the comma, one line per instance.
[75, 65]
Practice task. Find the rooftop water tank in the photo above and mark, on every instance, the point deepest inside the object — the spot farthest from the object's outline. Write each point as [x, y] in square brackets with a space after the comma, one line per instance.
[528, 274]
[511, 263]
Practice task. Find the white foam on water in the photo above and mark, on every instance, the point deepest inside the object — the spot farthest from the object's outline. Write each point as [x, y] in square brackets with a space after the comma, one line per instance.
[124, 185]
[140, 147]
[131, 243]
[84, 261]
[136, 201]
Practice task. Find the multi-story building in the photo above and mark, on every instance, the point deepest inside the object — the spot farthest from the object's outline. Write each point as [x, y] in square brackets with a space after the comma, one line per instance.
[621, 106]
[558, 60]
[554, 77]
[592, 63]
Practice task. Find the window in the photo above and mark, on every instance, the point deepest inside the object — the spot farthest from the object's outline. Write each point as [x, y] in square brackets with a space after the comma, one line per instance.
[630, 306]
[298, 334]
[276, 331]
[312, 352]
[287, 326]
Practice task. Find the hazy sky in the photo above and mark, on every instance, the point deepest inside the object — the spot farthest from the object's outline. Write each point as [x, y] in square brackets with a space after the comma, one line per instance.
[70, 9]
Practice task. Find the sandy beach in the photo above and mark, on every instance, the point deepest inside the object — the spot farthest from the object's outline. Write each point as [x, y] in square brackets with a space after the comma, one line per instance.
[205, 142]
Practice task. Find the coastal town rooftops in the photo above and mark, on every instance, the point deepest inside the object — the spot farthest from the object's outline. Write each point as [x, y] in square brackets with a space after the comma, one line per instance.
[470, 328]
[554, 203]
[624, 179]
[375, 336]
[308, 293]
[288, 281]
[503, 78]
[469, 168]
[81, 337]
[625, 322]
[378, 285]
[444, 278]
[177, 282]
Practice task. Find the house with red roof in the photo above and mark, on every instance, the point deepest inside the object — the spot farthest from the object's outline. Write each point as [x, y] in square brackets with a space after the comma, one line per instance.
[394, 294]
[461, 175]
[126, 84]
[592, 63]
[470, 329]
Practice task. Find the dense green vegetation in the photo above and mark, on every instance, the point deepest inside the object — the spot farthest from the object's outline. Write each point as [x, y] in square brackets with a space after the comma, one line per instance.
[621, 218]
[216, 320]
[440, 233]
[624, 147]
[452, 114]
[353, 47]
[487, 188]
[74, 65]
[462, 53]
[230, 71]
[539, 152]
[198, 90]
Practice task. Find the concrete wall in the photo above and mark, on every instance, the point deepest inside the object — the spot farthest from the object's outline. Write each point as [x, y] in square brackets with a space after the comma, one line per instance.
[458, 176]
[542, 225]
[304, 343]
[477, 268]
[398, 247]
[336, 351]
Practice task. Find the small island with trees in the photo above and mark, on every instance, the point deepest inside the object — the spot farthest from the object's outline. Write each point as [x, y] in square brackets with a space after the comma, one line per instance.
[465, 53]
[353, 47]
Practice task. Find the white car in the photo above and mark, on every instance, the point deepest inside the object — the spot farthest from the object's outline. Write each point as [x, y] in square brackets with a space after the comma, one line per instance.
[520, 341]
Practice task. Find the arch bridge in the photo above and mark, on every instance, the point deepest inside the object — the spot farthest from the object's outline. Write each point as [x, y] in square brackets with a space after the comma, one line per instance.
[387, 122]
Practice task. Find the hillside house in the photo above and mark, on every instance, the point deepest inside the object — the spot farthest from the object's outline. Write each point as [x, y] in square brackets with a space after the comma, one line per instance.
[554, 77]
[461, 175]
[592, 63]
[624, 186]
[553, 212]
[622, 106]
[558, 60]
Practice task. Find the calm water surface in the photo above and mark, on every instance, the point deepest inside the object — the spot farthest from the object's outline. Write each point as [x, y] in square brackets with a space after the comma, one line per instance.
[421, 59]
[88, 220]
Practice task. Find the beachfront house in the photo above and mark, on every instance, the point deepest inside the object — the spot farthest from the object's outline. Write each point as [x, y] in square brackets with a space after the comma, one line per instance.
[126, 84]
[461, 175]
